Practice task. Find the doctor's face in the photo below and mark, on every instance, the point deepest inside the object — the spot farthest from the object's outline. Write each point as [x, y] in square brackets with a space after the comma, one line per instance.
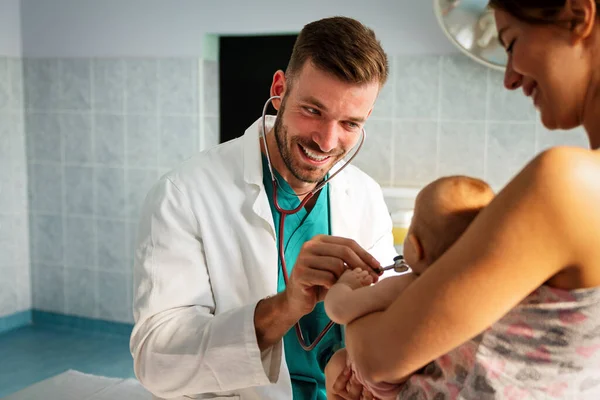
[319, 121]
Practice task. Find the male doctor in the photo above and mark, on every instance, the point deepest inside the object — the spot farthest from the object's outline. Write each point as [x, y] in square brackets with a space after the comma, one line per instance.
[213, 316]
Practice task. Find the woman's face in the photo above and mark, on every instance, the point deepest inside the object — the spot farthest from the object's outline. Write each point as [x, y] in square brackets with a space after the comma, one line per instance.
[550, 65]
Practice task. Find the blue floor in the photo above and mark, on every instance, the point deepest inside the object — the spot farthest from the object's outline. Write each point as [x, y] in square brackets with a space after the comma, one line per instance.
[34, 353]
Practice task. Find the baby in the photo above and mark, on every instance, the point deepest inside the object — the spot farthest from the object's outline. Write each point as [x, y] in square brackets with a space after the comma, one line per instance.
[443, 211]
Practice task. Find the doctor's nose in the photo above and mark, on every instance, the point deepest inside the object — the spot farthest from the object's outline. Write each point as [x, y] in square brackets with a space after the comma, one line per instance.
[327, 136]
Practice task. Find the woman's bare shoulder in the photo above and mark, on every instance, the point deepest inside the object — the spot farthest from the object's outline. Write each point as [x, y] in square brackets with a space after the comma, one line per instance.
[567, 180]
[569, 171]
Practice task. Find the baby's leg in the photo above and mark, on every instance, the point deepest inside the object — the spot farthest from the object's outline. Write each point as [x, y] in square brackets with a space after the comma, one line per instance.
[333, 369]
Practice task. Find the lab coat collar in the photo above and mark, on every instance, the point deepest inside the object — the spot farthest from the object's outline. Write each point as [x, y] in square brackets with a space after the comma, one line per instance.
[340, 210]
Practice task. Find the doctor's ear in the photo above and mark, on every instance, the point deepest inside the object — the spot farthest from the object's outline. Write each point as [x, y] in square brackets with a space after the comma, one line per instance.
[278, 88]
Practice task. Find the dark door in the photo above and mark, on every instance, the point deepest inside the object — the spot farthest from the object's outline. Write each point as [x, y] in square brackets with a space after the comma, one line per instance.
[246, 68]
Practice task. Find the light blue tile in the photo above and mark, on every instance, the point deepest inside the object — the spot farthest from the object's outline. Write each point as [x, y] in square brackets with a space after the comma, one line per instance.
[8, 291]
[549, 138]
[384, 105]
[77, 135]
[509, 148]
[112, 243]
[21, 187]
[47, 232]
[508, 105]
[80, 238]
[7, 187]
[178, 86]
[142, 141]
[5, 85]
[76, 85]
[128, 306]
[132, 229]
[15, 68]
[112, 296]
[110, 192]
[142, 86]
[81, 292]
[24, 301]
[17, 139]
[415, 152]
[109, 85]
[465, 80]
[46, 195]
[20, 233]
[210, 88]
[42, 84]
[7, 131]
[178, 139]
[79, 190]
[417, 87]
[375, 157]
[139, 183]
[212, 132]
[7, 242]
[48, 288]
[44, 137]
[109, 135]
[462, 149]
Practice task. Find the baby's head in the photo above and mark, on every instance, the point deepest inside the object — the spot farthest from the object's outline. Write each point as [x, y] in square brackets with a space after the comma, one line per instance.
[443, 211]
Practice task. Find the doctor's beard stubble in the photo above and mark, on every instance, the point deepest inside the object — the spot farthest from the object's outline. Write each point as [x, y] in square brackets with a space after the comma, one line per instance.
[284, 145]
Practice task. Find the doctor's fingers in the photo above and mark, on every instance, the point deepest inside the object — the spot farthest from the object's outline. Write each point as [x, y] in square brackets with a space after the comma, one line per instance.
[309, 274]
[332, 264]
[349, 252]
[353, 246]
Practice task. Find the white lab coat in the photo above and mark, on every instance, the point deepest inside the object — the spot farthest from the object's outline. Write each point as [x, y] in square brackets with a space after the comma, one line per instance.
[206, 254]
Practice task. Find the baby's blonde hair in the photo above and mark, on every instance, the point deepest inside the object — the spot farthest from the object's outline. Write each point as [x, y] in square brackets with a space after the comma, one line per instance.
[444, 210]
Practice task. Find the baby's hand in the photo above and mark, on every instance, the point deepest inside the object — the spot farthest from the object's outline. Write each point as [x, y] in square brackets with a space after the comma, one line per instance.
[355, 278]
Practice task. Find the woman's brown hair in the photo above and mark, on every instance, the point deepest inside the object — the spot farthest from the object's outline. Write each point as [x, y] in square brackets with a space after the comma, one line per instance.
[533, 11]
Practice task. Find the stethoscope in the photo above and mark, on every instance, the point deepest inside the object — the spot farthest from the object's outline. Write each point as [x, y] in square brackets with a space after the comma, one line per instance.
[397, 266]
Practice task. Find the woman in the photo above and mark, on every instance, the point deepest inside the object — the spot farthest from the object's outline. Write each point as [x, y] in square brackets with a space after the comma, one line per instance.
[524, 279]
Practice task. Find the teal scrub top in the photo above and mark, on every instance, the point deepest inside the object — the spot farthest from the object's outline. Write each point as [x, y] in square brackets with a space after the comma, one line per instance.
[306, 367]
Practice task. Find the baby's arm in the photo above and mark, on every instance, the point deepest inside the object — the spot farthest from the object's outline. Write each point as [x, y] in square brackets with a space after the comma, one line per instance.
[344, 304]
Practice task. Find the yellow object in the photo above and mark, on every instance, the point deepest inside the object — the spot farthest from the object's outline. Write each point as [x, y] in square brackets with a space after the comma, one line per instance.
[399, 235]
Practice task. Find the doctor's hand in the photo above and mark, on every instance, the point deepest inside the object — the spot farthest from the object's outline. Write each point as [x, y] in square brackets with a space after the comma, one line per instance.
[321, 262]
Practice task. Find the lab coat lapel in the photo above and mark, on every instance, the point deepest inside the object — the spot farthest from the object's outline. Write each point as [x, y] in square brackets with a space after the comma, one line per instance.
[253, 176]
[258, 203]
[341, 208]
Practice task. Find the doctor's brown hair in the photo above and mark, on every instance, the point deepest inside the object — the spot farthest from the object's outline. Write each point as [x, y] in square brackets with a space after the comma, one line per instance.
[533, 11]
[343, 47]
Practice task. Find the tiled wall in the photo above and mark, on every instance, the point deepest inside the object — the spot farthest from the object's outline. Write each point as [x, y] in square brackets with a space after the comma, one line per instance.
[15, 287]
[442, 115]
[100, 132]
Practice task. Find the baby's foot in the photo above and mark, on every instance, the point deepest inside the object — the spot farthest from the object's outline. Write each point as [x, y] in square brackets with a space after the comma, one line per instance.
[355, 278]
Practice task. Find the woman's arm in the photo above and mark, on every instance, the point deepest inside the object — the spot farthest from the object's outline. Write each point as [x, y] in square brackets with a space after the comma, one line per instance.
[546, 220]
[343, 304]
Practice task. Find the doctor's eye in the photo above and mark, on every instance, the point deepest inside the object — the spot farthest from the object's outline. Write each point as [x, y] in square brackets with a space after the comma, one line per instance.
[311, 110]
[352, 125]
